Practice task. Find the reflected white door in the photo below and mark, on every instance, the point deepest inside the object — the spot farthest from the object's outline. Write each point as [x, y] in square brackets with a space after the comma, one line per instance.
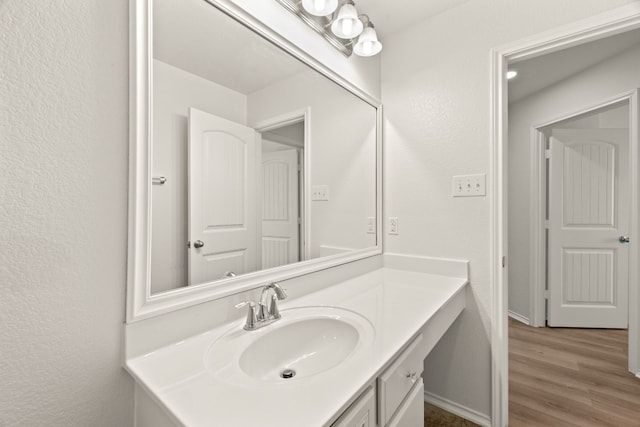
[588, 212]
[280, 224]
[223, 225]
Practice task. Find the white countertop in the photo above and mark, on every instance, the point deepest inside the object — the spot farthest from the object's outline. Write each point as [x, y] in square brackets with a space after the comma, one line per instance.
[397, 303]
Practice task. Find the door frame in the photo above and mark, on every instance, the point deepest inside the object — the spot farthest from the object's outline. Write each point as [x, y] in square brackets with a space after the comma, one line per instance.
[538, 205]
[613, 22]
[296, 116]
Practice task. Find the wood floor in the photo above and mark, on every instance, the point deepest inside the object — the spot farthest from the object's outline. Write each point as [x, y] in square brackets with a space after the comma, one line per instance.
[570, 377]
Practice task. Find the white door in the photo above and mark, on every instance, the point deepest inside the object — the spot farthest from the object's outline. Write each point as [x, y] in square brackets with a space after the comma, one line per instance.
[280, 212]
[223, 224]
[588, 212]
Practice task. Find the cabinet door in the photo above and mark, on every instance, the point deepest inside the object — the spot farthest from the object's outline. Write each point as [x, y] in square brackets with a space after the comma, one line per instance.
[360, 414]
[399, 379]
[411, 413]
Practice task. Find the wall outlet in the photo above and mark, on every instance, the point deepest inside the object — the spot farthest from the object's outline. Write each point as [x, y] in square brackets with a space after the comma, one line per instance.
[469, 185]
[393, 225]
[320, 193]
[371, 225]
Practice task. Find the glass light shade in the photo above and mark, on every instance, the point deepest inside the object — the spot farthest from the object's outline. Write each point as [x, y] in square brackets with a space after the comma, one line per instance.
[347, 25]
[320, 7]
[368, 44]
[511, 74]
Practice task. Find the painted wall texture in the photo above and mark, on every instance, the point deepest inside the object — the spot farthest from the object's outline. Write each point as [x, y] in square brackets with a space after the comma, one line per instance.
[63, 190]
[605, 80]
[63, 207]
[63, 213]
[435, 89]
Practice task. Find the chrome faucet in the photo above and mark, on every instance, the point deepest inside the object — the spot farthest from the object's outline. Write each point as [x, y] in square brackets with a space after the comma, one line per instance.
[267, 311]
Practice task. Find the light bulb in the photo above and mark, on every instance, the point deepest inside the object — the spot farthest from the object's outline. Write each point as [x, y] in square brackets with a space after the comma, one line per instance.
[347, 26]
[320, 7]
[367, 44]
[367, 47]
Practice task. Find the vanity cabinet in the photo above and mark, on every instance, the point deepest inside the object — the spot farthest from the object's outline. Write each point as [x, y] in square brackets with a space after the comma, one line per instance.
[411, 412]
[380, 385]
[362, 413]
[400, 383]
[400, 393]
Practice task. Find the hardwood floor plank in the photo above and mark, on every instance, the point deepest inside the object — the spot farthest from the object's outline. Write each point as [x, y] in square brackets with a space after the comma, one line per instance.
[570, 377]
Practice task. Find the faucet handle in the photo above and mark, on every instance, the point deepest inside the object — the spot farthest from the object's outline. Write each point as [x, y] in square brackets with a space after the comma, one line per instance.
[252, 316]
[243, 303]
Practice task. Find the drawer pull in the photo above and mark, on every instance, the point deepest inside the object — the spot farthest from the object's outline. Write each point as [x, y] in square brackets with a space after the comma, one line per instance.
[412, 376]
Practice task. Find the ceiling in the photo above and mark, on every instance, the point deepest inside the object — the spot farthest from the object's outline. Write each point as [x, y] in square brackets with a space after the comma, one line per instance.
[390, 16]
[541, 72]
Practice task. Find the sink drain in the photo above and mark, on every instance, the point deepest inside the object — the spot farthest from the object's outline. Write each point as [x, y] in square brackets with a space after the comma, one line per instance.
[288, 373]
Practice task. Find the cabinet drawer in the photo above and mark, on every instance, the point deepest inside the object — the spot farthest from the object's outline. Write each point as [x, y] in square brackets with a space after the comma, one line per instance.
[411, 413]
[362, 413]
[396, 382]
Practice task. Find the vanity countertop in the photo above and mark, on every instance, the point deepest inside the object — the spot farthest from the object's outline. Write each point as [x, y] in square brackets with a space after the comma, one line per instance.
[399, 304]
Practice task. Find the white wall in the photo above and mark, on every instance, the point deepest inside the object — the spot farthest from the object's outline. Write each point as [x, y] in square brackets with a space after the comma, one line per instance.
[174, 92]
[63, 213]
[63, 210]
[602, 81]
[435, 88]
[343, 155]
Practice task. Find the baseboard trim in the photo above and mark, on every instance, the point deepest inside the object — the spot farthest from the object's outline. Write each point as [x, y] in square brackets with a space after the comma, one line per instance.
[456, 409]
[638, 374]
[519, 318]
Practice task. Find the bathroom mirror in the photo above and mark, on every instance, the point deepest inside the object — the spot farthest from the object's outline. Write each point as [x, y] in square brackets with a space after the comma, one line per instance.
[249, 162]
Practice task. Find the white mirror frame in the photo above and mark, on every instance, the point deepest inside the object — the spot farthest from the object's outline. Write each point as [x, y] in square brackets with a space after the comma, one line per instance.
[141, 303]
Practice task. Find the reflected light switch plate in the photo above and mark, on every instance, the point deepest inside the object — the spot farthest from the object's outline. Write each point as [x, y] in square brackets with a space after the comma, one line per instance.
[371, 225]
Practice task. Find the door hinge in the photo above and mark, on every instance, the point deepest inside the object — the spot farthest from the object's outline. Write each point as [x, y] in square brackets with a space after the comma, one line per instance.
[504, 261]
[547, 154]
[299, 221]
[545, 294]
[546, 223]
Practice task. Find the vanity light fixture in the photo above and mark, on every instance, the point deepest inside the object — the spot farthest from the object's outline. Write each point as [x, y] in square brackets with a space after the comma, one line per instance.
[320, 7]
[339, 23]
[347, 24]
[511, 74]
[368, 43]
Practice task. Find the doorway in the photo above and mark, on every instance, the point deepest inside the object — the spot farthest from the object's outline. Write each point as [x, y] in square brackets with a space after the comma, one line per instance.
[285, 169]
[585, 212]
[282, 195]
[597, 29]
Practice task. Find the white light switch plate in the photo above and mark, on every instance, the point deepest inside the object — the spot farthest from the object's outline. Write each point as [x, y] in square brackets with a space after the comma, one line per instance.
[469, 185]
[320, 193]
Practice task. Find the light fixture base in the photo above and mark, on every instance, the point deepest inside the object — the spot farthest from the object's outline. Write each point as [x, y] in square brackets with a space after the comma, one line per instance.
[319, 24]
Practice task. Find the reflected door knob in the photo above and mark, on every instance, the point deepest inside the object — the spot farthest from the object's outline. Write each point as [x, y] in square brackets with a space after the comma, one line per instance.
[624, 239]
[198, 244]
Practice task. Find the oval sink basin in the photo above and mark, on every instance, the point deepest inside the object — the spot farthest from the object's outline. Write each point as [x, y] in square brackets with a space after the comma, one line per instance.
[306, 347]
[306, 341]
